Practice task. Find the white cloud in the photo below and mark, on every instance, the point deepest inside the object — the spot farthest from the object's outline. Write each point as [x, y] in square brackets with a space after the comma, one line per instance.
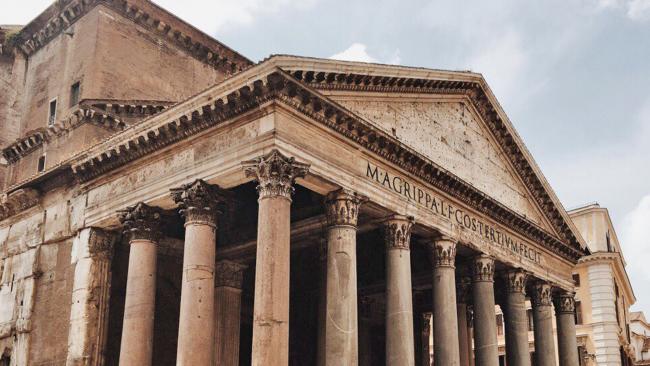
[638, 9]
[359, 52]
[635, 239]
[22, 12]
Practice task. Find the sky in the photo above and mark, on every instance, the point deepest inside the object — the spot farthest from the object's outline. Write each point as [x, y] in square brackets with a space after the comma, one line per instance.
[572, 75]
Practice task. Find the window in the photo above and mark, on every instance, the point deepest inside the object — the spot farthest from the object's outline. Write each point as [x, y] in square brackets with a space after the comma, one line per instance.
[609, 242]
[74, 94]
[499, 324]
[576, 279]
[582, 355]
[51, 117]
[578, 313]
[41, 163]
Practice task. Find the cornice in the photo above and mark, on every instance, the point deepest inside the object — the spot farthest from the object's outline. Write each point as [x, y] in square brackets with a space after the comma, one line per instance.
[265, 83]
[64, 13]
[37, 137]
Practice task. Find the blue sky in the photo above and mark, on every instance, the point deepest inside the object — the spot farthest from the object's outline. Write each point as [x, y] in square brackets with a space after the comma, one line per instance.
[573, 76]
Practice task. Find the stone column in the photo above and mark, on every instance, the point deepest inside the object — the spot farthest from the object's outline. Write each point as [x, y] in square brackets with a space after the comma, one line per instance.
[516, 319]
[275, 174]
[199, 203]
[365, 331]
[463, 287]
[227, 308]
[543, 324]
[470, 335]
[90, 297]
[399, 302]
[426, 333]
[485, 326]
[445, 328]
[142, 225]
[565, 307]
[341, 343]
[322, 302]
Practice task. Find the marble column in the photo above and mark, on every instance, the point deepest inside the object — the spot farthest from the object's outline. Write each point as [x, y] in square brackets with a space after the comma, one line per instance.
[341, 342]
[90, 297]
[470, 335]
[516, 319]
[199, 203]
[565, 307]
[399, 301]
[543, 324]
[426, 334]
[142, 225]
[445, 328]
[485, 327]
[275, 174]
[463, 287]
[365, 331]
[227, 308]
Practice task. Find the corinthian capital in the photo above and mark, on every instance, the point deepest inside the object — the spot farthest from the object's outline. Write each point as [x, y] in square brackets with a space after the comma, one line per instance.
[100, 243]
[342, 208]
[483, 268]
[141, 222]
[464, 290]
[199, 202]
[565, 302]
[275, 174]
[541, 294]
[444, 252]
[515, 280]
[229, 274]
[398, 232]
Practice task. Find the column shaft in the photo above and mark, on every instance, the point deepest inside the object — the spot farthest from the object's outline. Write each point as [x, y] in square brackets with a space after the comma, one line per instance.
[199, 203]
[227, 308]
[141, 223]
[485, 332]
[139, 305]
[463, 335]
[275, 174]
[445, 328]
[566, 329]
[341, 342]
[516, 319]
[543, 325]
[399, 301]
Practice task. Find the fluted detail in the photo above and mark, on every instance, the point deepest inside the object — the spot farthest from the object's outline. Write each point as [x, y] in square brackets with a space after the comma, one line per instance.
[275, 174]
[342, 208]
[398, 232]
[199, 202]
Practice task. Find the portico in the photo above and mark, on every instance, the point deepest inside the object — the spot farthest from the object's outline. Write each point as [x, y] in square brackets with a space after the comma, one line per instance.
[301, 229]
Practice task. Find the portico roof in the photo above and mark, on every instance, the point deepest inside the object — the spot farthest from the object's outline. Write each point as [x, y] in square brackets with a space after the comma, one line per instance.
[295, 82]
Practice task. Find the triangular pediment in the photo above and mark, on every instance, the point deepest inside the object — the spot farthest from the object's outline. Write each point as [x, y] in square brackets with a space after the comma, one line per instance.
[449, 132]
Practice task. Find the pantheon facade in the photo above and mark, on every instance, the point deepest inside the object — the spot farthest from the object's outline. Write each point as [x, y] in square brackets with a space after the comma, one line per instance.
[166, 201]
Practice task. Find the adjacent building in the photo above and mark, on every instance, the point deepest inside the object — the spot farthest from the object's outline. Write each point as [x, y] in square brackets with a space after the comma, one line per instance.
[168, 201]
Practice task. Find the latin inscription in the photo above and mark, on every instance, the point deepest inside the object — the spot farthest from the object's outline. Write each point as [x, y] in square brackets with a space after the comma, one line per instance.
[439, 206]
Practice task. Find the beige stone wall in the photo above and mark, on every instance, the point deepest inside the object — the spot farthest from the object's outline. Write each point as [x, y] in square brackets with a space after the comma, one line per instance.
[452, 135]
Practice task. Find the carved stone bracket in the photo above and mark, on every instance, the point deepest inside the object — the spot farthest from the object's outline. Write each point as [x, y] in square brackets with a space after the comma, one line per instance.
[229, 274]
[541, 294]
[141, 222]
[18, 201]
[516, 280]
[398, 232]
[443, 251]
[342, 208]
[101, 243]
[200, 202]
[565, 302]
[275, 174]
[483, 269]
